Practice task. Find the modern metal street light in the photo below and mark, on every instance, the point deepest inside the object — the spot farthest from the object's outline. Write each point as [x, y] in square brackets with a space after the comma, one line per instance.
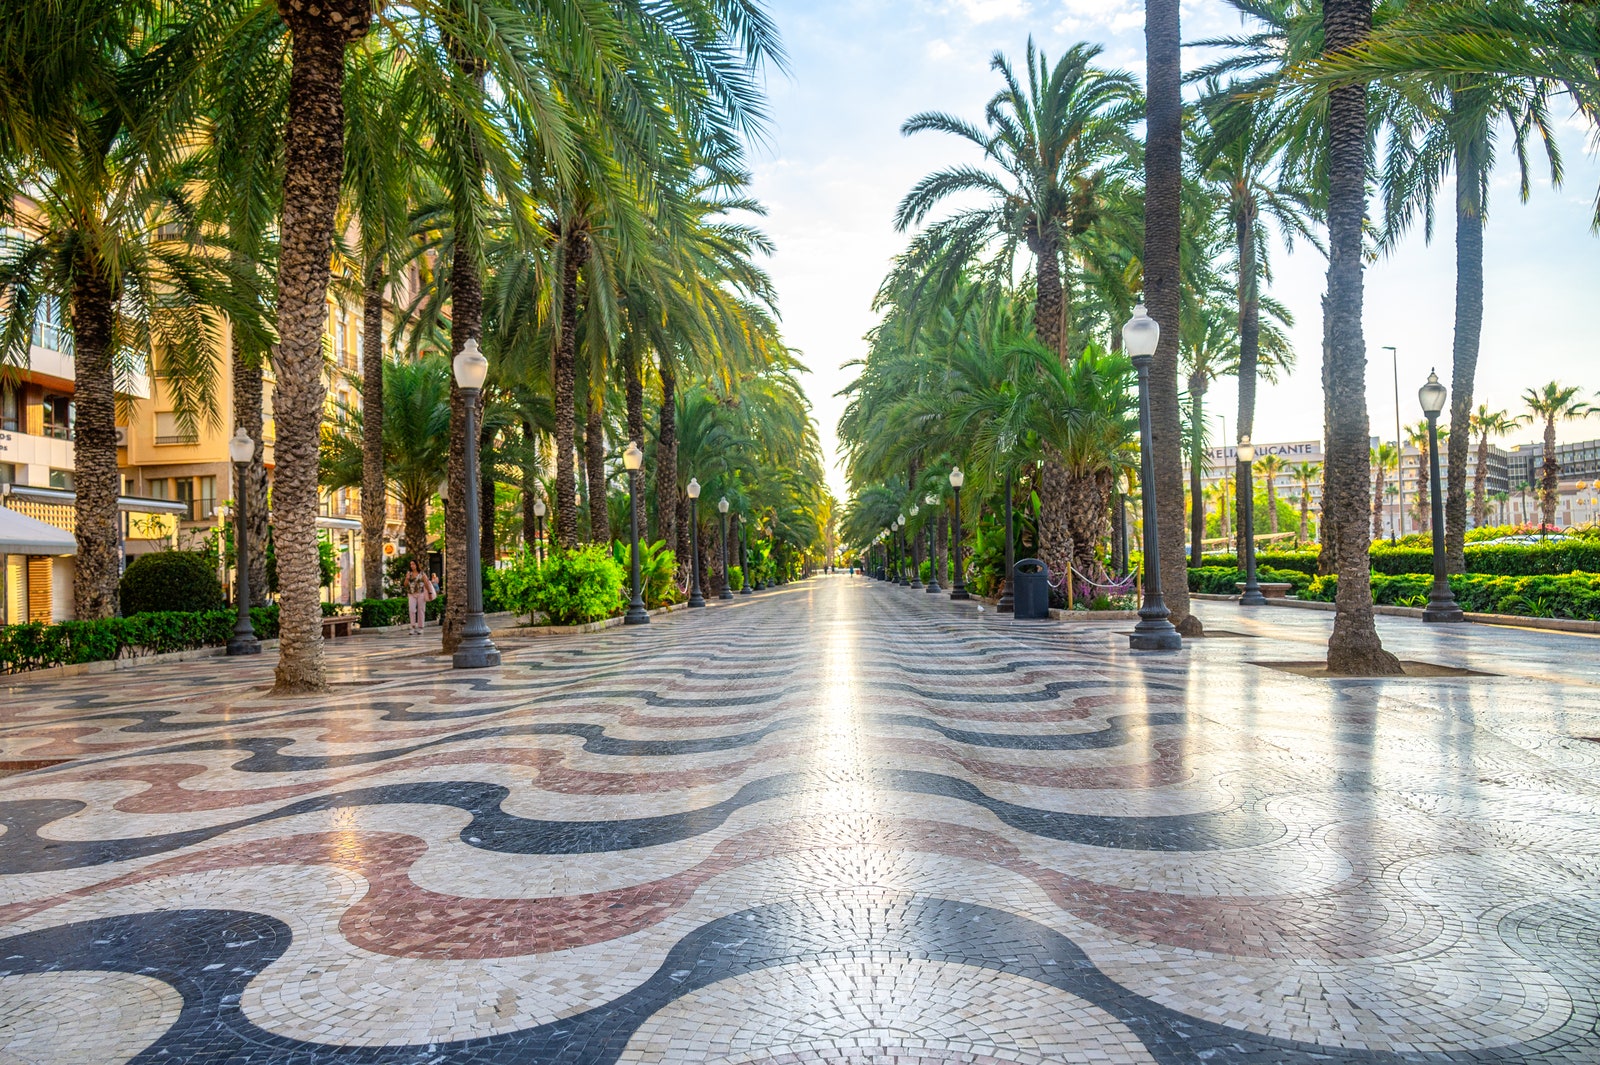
[722, 509]
[1442, 605]
[476, 650]
[958, 578]
[632, 460]
[241, 449]
[538, 529]
[1154, 632]
[933, 562]
[1247, 525]
[695, 598]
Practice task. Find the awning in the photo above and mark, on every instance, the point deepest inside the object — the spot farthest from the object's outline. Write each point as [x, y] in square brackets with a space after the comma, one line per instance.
[66, 497]
[22, 535]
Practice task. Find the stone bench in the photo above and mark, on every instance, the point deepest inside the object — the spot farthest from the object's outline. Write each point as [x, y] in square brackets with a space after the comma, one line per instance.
[1270, 590]
[332, 628]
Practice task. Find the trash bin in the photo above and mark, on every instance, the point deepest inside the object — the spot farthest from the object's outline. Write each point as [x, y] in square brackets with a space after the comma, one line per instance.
[1030, 589]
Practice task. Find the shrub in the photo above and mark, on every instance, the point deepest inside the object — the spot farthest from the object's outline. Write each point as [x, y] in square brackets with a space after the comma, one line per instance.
[735, 579]
[381, 613]
[170, 581]
[1223, 580]
[658, 571]
[37, 645]
[571, 588]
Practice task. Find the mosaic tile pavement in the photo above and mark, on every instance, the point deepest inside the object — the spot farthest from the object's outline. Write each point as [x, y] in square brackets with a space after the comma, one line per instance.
[835, 822]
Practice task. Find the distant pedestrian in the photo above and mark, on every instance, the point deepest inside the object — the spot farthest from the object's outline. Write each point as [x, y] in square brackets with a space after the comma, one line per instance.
[419, 589]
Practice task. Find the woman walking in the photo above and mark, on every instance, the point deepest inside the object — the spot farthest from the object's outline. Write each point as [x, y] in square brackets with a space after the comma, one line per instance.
[419, 589]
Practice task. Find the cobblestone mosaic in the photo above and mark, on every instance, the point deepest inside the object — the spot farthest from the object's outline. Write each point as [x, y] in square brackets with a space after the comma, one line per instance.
[835, 822]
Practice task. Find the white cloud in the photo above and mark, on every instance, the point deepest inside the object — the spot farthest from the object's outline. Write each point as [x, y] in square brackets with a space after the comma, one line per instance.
[1087, 18]
[939, 48]
[990, 10]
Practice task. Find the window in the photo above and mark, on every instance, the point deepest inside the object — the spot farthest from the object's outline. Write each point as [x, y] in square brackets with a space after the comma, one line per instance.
[8, 473]
[156, 489]
[341, 338]
[185, 487]
[50, 326]
[60, 415]
[61, 479]
[168, 431]
[10, 409]
[206, 498]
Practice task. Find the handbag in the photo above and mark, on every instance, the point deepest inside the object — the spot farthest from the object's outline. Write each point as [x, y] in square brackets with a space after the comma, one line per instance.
[428, 593]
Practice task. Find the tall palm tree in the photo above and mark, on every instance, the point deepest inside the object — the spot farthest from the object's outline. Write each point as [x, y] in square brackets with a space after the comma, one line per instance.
[1487, 423]
[1500, 500]
[1422, 506]
[1270, 467]
[1304, 473]
[1385, 457]
[1550, 404]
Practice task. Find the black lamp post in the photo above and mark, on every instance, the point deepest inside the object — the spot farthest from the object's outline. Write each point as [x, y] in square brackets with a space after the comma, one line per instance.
[1154, 631]
[933, 560]
[1247, 526]
[900, 547]
[1442, 605]
[722, 536]
[241, 449]
[538, 529]
[1007, 603]
[958, 577]
[632, 460]
[476, 650]
[913, 546]
[744, 556]
[695, 598]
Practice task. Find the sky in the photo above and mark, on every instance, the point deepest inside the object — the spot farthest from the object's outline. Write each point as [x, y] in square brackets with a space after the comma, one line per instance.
[834, 165]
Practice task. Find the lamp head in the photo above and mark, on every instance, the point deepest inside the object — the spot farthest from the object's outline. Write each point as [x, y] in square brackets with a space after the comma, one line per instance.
[1432, 395]
[470, 366]
[633, 457]
[722, 505]
[693, 489]
[1141, 334]
[241, 448]
[931, 499]
[538, 508]
[957, 478]
[913, 510]
[1247, 450]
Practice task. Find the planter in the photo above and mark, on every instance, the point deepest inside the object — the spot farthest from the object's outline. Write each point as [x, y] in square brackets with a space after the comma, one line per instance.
[1270, 590]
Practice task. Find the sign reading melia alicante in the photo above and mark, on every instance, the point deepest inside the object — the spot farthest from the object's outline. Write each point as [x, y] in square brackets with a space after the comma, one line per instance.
[1299, 451]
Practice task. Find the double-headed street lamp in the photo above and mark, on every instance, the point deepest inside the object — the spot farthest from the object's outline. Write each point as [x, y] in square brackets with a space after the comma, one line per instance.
[476, 650]
[1247, 525]
[933, 562]
[538, 529]
[958, 579]
[695, 598]
[1154, 632]
[722, 530]
[241, 449]
[1442, 605]
[632, 460]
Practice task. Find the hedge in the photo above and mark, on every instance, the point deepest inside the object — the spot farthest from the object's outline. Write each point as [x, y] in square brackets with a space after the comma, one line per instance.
[170, 581]
[1504, 560]
[1299, 561]
[37, 645]
[1575, 595]
[1223, 580]
[380, 613]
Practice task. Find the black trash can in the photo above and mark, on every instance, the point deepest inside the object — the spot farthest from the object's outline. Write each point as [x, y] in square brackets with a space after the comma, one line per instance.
[1030, 589]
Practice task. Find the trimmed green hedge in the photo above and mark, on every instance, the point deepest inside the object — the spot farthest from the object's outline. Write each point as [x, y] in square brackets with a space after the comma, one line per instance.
[1223, 580]
[1298, 561]
[170, 581]
[1503, 560]
[380, 613]
[1574, 595]
[37, 645]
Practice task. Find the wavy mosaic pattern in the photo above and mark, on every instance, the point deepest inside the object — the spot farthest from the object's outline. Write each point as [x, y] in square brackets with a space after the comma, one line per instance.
[832, 823]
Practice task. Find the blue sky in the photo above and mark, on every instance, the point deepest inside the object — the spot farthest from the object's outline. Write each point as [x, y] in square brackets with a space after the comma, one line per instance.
[836, 165]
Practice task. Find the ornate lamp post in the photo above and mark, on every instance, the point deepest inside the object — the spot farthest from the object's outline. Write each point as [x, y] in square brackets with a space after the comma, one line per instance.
[1442, 605]
[538, 529]
[958, 577]
[900, 526]
[911, 551]
[476, 650]
[632, 460]
[722, 509]
[1154, 631]
[241, 449]
[933, 564]
[1247, 526]
[695, 598]
[744, 556]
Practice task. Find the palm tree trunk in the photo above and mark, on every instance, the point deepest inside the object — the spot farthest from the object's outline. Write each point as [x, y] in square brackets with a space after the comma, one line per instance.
[313, 169]
[1087, 520]
[1197, 458]
[667, 462]
[97, 479]
[1049, 304]
[1424, 486]
[941, 546]
[530, 484]
[1305, 503]
[1550, 482]
[416, 519]
[1249, 355]
[575, 251]
[1272, 505]
[1163, 167]
[1480, 489]
[374, 493]
[466, 323]
[247, 416]
[1464, 358]
[1377, 504]
[1354, 648]
[594, 448]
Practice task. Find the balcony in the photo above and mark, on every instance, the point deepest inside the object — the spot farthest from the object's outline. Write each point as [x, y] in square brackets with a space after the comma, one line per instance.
[177, 439]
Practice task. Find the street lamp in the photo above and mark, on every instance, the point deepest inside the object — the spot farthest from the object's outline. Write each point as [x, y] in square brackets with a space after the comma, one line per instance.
[1247, 525]
[695, 598]
[1007, 603]
[900, 526]
[476, 650]
[933, 563]
[1442, 605]
[632, 459]
[913, 544]
[722, 509]
[958, 579]
[1154, 632]
[241, 449]
[538, 530]
[744, 557]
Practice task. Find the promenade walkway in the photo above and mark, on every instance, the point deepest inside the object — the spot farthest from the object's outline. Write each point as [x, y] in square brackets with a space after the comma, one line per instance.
[834, 822]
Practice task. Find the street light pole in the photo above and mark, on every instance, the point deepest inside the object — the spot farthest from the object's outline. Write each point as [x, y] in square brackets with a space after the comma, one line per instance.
[1154, 632]
[1247, 526]
[933, 553]
[538, 529]
[744, 556]
[1442, 605]
[476, 650]
[695, 598]
[1007, 603]
[241, 449]
[958, 578]
[913, 545]
[900, 551]
[632, 460]
[722, 535]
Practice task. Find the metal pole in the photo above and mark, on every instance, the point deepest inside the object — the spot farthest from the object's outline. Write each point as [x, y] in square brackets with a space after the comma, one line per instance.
[1442, 605]
[1252, 591]
[695, 598]
[1154, 632]
[476, 650]
[244, 640]
[744, 557]
[933, 556]
[958, 587]
[1007, 603]
[1399, 451]
[637, 614]
[726, 592]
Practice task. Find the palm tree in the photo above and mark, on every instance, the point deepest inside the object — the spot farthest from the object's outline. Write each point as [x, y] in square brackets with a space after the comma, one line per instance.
[1554, 402]
[1385, 457]
[1269, 467]
[1484, 424]
[1304, 473]
[1501, 499]
[1422, 507]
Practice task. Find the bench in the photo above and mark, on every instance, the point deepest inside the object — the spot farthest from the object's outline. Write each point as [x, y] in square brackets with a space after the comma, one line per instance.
[333, 628]
[1272, 590]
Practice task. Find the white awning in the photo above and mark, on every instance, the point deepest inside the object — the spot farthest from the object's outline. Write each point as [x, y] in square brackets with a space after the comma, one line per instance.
[22, 535]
